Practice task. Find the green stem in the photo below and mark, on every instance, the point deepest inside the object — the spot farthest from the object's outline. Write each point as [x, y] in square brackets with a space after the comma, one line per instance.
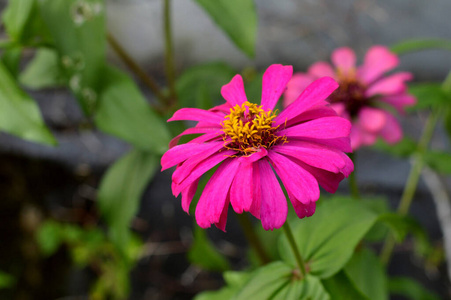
[412, 181]
[169, 56]
[252, 238]
[353, 186]
[297, 254]
[135, 68]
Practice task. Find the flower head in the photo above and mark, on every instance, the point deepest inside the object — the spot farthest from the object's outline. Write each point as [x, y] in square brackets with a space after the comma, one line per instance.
[363, 92]
[304, 145]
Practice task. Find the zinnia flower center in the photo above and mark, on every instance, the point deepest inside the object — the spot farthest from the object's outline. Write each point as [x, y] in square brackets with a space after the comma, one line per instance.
[249, 127]
[351, 93]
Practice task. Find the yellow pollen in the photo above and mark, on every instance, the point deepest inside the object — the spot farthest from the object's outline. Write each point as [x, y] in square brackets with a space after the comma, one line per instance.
[249, 127]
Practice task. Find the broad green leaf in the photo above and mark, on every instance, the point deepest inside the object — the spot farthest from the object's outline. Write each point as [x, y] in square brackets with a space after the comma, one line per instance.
[439, 161]
[340, 287]
[43, 71]
[368, 274]
[16, 16]
[429, 95]
[410, 288]
[121, 189]
[308, 288]
[49, 237]
[237, 18]
[423, 44]
[327, 240]
[234, 281]
[403, 148]
[401, 225]
[19, 114]
[200, 86]
[379, 231]
[78, 31]
[6, 280]
[266, 281]
[122, 111]
[204, 254]
[11, 59]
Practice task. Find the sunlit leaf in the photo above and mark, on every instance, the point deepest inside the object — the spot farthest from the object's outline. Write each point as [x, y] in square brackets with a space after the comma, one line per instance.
[238, 19]
[368, 274]
[327, 240]
[421, 44]
[16, 16]
[204, 254]
[122, 111]
[410, 288]
[43, 71]
[121, 189]
[19, 114]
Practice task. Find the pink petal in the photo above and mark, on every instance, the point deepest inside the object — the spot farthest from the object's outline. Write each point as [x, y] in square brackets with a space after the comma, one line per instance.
[180, 153]
[187, 173]
[223, 218]
[361, 137]
[197, 114]
[274, 82]
[255, 209]
[390, 85]
[313, 154]
[372, 119]
[322, 128]
[303, 210]
[392, 132]
[342, 144]
[295, 87]
[327, 180]
[321, 69]
[399, 101]
[320, 111]
[378, 60]
[233, 92]
[344, 60]
[188, 194]
[339, 108]
[274, 207]
[241, 192]
[210, 133]
[213, 198]
[301, 184]
[314, 94]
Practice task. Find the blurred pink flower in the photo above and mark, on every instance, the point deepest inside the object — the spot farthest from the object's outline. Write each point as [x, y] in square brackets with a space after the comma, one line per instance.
[363, 92]
[304, 145]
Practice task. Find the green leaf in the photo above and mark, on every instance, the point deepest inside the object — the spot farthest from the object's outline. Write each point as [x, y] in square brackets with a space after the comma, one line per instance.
[19, 114]
[121, 189]
[368, 274]
[49, 237]
[447, 122]
[237, 18]
[6, 280]
[410, 288]
[204, 254]
[124, 112]
[309, 288]
[78, 30]
[379, 231]
[401, 225]
[403, 148]
[200, 86]
[340, 287]
[429, 95]
[439, 161]
[43, 71]
[234, 282]
[11, 59]
[327, 240]
[423, 44]
[16, 16]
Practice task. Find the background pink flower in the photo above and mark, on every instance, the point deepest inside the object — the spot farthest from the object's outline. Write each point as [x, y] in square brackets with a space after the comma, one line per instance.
[362, 93]
[304, 145]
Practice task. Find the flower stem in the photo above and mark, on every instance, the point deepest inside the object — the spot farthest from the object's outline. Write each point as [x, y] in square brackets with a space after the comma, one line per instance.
[169, 56]
[135, 68]
[297, 254]
[353, 186]
[412, 181]
[252, 238]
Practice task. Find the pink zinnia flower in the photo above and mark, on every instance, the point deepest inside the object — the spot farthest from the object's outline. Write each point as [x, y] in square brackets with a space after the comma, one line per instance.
[304, 145]
[363, 92]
